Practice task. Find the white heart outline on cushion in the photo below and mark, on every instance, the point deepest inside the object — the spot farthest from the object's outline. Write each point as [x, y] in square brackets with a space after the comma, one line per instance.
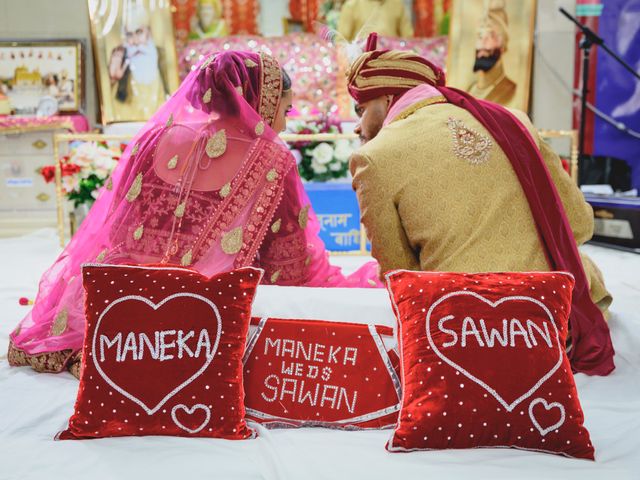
[508, 406]
[190, 412]
[156, 306]
[547, 407]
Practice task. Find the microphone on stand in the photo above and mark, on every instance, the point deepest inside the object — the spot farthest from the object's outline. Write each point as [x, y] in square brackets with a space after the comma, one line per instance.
[589, 39]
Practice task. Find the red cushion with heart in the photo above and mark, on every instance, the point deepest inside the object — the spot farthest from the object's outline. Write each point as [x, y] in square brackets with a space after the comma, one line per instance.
[163, 353]
[483, 363]
[320, 373]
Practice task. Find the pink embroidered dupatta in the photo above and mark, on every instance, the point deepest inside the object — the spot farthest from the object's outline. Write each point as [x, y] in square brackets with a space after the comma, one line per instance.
[206, 184]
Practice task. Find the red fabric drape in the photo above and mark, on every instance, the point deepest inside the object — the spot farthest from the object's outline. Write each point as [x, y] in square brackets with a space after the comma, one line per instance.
[295, 9]
[242, 16]
[305, 11]
[424, 11]
[181, 12]
[428, 16]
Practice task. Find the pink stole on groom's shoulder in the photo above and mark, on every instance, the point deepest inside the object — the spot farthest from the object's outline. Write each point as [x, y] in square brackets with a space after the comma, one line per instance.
[412, 97]
[592, 351]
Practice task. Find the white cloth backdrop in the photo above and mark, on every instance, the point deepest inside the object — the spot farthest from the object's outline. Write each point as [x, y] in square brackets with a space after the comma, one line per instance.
[33, 407]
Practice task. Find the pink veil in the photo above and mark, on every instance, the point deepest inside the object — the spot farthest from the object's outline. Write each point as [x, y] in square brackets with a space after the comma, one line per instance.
[207, 184]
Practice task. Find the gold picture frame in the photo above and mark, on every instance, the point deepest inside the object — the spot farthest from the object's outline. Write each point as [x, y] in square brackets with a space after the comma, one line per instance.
[43, 68]
[135, 57]
[496, 38]
[572, 136]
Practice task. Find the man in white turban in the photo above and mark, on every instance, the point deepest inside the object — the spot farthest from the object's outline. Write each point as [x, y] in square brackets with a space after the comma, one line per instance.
[492, 38]
[137, 86]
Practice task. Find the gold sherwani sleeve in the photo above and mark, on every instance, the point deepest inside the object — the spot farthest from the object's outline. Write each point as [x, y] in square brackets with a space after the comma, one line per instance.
[579, 212]
[580, 215]
[379, 215]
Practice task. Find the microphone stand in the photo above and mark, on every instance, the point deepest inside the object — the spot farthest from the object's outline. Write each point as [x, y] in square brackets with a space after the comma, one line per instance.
[589, 39]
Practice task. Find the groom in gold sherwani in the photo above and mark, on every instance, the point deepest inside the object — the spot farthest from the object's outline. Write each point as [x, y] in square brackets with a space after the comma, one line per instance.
[448, 182]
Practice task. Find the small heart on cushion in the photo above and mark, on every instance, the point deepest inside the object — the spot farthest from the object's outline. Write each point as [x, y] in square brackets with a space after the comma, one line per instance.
[546, 416]
[191, 419]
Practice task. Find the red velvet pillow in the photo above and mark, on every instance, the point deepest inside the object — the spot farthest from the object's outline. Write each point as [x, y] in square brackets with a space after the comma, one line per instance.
[319, 373]
[483, 363]
[163, 353]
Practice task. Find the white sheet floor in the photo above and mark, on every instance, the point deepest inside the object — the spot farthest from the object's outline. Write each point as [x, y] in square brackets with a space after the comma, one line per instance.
[33, 407]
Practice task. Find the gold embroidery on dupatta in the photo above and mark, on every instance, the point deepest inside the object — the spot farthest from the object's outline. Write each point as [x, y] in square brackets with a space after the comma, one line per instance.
[270, 88]
[60, 323]
[186, 259]
[135, 189]
[109, 185]
[169, 121]
[272, 175]
[468, 144]
[75, 366]
[206, 63]
[307, 261]
[137, 234]
[206, 98]
[303, 217]
[275, 228]
[101, 255]
[371, 282]
[135, 149]
[275, 276]
[225, 190]
[179, 211]
[250, 63]
[42, 362]
[17, 331]
[173, 162]
[217, 144]
[260, 128]
[232, 241]
[239, 90]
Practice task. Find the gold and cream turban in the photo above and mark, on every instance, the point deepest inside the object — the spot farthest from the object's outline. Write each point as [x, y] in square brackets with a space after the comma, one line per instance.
[389, 72]
[495, 19]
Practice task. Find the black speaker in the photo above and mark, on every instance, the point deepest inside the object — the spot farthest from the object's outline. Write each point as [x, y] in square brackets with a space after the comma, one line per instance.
[605, 170]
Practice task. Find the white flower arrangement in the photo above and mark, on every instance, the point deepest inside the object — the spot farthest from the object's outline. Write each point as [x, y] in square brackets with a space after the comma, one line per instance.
[321, 161]
[85, 169]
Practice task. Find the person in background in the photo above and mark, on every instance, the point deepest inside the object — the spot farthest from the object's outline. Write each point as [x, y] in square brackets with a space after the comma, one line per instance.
[389, 18]
[208, 21]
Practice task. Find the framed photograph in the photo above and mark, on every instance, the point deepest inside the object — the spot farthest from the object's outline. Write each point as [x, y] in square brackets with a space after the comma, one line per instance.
[33, 70]
[135, 57]
[491, 49]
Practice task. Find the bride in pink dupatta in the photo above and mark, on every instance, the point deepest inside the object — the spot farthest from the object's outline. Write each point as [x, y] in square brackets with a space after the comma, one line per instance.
[206, 184]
